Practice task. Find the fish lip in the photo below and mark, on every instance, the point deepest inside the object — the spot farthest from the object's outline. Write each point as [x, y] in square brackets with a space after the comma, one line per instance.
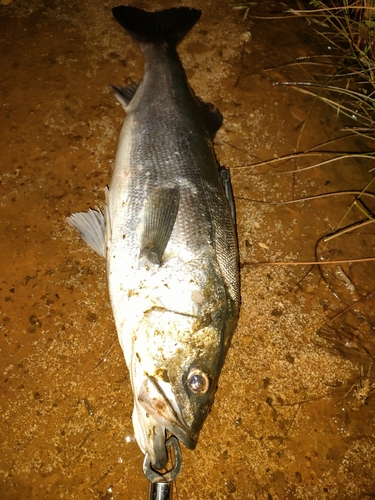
[155, 402]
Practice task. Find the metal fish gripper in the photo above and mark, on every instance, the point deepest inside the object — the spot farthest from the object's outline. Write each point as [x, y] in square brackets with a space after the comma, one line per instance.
[161, 483]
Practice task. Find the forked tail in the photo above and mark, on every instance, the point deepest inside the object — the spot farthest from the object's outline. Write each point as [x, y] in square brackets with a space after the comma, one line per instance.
[168, 26]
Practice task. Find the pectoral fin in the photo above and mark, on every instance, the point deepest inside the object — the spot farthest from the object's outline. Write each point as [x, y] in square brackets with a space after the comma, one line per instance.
[90, 225]
[157, 223]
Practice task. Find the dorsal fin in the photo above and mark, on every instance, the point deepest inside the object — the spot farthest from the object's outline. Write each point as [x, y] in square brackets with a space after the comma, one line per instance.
[227, 185]
[212, 117]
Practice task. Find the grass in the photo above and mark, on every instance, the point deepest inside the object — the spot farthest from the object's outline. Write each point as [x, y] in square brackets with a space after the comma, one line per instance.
[349, 30]
[343, 78]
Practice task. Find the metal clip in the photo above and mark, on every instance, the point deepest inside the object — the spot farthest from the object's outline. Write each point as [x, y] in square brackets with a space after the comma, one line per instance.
[160, 491]
[161, 484]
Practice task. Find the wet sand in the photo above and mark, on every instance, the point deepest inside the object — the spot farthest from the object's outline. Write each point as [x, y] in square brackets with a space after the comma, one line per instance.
[288, 421]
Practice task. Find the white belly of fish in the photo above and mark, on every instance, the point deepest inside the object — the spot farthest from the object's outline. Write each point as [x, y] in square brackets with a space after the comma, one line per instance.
[155, 308]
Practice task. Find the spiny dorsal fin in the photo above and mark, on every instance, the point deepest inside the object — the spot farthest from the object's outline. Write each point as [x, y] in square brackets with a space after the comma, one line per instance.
[157, 224]
[227, 185]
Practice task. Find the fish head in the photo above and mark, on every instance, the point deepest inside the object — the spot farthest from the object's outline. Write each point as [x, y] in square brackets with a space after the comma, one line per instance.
[175, 389]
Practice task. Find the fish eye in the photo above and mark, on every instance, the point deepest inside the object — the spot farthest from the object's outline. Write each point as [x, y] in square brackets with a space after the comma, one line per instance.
[198, 381]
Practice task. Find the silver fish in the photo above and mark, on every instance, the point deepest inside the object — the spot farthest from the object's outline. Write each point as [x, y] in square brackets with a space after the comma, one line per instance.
[169, 240]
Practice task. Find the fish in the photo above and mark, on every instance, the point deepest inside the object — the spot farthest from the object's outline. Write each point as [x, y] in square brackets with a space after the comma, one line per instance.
[168, 235]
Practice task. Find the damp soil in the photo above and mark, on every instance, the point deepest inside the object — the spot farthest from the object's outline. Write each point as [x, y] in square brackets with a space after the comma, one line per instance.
[295, 411]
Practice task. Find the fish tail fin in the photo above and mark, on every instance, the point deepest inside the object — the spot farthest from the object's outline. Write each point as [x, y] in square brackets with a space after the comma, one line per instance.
[168, 26]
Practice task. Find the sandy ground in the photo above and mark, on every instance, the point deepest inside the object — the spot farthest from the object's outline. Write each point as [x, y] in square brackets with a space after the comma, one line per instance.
[287, 423]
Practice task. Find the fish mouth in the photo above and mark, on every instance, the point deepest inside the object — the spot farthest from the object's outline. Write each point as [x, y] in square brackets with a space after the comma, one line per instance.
[157, 403]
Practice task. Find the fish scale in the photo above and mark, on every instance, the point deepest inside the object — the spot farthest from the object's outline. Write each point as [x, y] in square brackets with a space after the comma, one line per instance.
[169, 240]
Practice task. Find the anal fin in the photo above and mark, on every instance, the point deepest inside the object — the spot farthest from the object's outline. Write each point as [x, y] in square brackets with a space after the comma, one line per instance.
[157, 224]
[125, 94]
